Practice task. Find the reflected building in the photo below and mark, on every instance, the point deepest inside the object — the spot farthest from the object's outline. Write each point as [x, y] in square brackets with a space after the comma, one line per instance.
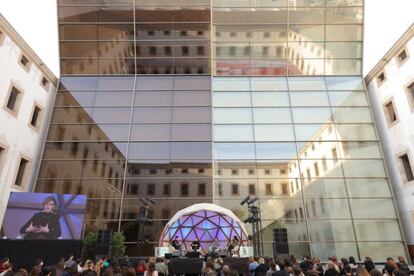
[199, 101]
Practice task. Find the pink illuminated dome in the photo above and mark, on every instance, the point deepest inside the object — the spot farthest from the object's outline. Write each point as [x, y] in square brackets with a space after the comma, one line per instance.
[205, 222]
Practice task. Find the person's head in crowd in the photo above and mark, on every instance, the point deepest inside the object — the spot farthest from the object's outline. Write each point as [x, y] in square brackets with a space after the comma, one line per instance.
[210, 265]
[151, 268]
[39, 262]
[401, 259]
[4, 261]
[399, 272]
[8, 266]
[352, 260]
[318, 268]
[128, 271]
[88, 265]
[347, 270]
[361, 271]
[312, 273]
[331, 266]
[375, 272]
[305, 258]
[36, 270]
[281, 264]
[21, 272]
[272, 266]
[344, 261]
[226, 270]
[297, 271]
[292, 260]
[261, 260]
[50, 270]
[316, 260]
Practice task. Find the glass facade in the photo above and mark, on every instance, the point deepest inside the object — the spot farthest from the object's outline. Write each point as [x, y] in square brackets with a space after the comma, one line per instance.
[191, 101]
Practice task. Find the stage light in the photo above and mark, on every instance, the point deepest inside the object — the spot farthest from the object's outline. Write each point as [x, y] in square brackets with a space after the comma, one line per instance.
[148, 199]
[252, 200]
[245, 200]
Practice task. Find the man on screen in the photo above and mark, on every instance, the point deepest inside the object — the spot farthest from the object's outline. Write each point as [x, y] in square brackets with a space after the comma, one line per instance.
[43, 225]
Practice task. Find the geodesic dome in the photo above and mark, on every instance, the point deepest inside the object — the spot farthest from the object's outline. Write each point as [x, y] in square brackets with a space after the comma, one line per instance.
[206, 222]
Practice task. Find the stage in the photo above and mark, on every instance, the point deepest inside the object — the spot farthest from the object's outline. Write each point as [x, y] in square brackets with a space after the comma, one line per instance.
[23, 253]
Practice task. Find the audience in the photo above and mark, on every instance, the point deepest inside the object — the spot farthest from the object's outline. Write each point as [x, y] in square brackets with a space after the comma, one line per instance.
[260, 266]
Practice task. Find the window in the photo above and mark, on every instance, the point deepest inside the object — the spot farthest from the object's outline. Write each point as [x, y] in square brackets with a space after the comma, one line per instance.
[269, 189]
[167, 50]
[184, 189]
[185, 50]
[285, 189]
[235, 189]
[201, 171]
[408, 171]
[2, 36]
[324, 164]
[21, 172]
[24, 61]
[251, 172]
[268, 172]
[234, 172]
[184, 171]
[153, 171]
[166, 189]
[410, 95]
[252, 189]
[151, 189]
[390, 114]
[334, 154]
[202, 189]
[13, 101]
[381, 78]
[153, 51]
[2, 154]
[44, 83]
[36, 117]
[220, 189]
[316, 168]
[402, 56]
[200, 50]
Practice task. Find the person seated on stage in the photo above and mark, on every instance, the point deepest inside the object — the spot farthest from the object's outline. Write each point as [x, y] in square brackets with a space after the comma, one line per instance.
[43, 225]
[215, 246]
[235, 247]
[195, 245]
[176, 244]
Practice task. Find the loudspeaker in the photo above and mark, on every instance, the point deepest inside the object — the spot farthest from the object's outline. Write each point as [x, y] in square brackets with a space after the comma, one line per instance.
[193, 254]
[280, 242]
[104, 242]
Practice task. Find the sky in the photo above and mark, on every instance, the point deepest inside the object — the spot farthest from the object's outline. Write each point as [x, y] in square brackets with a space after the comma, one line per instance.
[385, 22]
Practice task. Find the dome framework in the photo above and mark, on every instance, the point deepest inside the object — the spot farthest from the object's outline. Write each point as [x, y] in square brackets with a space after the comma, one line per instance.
[205, 222]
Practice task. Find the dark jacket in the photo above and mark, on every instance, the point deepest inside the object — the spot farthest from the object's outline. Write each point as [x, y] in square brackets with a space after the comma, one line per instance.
[281, 273]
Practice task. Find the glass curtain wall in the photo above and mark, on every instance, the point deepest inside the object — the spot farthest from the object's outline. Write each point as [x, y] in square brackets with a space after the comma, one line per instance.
[290, 121]
[307, 148]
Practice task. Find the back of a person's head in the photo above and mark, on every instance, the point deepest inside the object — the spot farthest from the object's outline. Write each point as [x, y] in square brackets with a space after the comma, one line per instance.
[273, 266]
[281, 264]
[344, 261]
[361, 271]
[250, 259]
[49, 270]
[21, 272]
[368, 259]
[210, 264]
[352, 260]
[348, 269]
[296, 270]
[226, 270]
[311, 273]
[35, 271]
[319, 267]
[375, 272]
[401, 259]
[128, 271]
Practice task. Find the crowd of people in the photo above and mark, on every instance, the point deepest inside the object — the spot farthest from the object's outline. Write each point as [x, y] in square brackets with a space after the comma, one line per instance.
[212, 267]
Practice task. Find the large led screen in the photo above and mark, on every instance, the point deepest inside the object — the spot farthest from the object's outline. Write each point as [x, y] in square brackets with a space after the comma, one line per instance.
[40, 216]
